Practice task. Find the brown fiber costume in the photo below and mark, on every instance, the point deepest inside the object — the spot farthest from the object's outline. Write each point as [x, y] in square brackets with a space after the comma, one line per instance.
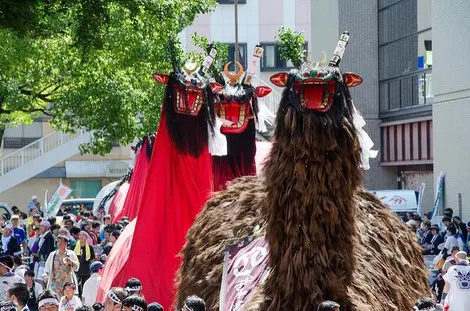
[329, 238]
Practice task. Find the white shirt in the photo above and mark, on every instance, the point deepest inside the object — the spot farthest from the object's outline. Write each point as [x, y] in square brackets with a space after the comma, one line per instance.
[90, 289]
[458, 277]
[69, 305]
[6, 281]
[451, 242]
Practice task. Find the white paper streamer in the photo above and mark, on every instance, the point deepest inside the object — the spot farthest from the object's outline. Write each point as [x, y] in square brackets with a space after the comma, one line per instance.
[218, 141]
[364, 140]
[265, 116]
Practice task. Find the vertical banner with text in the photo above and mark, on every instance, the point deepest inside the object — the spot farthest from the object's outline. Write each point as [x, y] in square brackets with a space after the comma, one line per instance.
[244, 267]
[60, 194]
[420, 199]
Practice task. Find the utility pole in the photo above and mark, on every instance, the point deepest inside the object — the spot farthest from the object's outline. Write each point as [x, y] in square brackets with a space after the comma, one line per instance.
[236, 52]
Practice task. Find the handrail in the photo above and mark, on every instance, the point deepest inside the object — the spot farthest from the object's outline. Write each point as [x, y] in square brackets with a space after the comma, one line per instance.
[36, 149]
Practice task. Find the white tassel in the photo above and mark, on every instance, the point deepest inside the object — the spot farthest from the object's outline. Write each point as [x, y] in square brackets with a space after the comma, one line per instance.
[265, 116]
[218, 141]
[364, 140]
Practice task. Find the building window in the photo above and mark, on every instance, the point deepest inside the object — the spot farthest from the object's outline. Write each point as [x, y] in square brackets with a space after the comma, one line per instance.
[405, 57]
[241, 55]
[272, 59]
[85, 189]
[18, 142]
[230, 1]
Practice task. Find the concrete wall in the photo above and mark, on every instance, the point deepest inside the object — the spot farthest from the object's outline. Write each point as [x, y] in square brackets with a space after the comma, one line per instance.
[361, 57]
[451, 111]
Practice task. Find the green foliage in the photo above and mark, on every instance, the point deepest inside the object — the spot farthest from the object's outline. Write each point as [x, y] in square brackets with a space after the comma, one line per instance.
[291, 45]
[203, 44]
[88, 63]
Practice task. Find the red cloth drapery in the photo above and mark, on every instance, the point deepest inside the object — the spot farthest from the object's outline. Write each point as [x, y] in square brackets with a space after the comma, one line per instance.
[119, 198]
[131, 205]
[176, 188]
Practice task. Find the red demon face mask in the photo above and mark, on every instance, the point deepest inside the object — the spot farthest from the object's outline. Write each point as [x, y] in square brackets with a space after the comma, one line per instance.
[236, 103]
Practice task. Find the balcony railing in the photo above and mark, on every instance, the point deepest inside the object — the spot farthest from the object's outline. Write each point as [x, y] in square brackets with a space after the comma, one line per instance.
[408, 91]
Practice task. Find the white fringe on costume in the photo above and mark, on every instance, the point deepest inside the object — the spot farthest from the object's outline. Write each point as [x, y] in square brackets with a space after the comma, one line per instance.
[364, 140]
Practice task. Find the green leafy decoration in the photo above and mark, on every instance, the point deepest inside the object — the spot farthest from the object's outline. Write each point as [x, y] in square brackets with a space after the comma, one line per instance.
[88, 63]
[291, 45]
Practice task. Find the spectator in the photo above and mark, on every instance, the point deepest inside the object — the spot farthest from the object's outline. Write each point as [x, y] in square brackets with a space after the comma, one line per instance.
[461, 227]
[446, 220]
[452, 240]
[69, 301]
[55, 230]
[154, 306]
[35, 289]
[112, 239]
[94, 232]
[194, 303]
[60, 266]
[457, 289]
[427, 235]
[33, 246]
[9, 245]
[86, 256]
[328, 306]
[467, 244]
[98, 307]
[7, 306]
[33, 204]
[52, 220]
[69, 224]
[48, 301]
[19, 267]
[133, 303]
[46, 246]
[30, 220]
[450, 261]
[74, 233]
[18, 232]
[437, 287]
[19, 294]
[425, 304]
[114, 298]
[83, 308]
[7, 278]
[90, 288]
[134, 286]
[3, 220]
[449, 211]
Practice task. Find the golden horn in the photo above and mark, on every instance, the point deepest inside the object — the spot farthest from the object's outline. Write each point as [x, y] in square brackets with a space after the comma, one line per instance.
[323, 60]
[233, 77]
[189, 70]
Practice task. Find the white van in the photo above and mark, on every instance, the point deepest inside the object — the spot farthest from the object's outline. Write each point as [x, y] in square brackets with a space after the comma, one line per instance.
[399, 201]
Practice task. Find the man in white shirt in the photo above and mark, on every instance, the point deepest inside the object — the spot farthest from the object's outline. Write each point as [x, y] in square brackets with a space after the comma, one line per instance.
[457, 288]
[7, 277]
[90, 289]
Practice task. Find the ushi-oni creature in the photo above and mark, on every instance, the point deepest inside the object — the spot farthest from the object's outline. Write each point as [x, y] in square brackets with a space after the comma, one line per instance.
[327, 238]
[189, 108]
[238, 110]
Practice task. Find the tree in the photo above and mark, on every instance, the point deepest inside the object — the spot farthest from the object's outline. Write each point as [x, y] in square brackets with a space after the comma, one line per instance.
[88, 63]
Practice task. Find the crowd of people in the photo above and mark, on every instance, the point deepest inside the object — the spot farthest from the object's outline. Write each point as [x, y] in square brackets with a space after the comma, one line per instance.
[56, 263]
[451, 248]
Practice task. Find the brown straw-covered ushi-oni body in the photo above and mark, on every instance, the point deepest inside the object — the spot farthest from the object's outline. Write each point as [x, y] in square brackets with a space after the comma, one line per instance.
[328, 237]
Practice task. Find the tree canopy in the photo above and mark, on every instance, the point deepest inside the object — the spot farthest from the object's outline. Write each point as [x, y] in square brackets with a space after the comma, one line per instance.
[88, 63]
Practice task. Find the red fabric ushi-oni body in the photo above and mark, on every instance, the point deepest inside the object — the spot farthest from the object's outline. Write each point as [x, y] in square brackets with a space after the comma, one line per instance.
[177, 187]
[178, 183]
[131, 205]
